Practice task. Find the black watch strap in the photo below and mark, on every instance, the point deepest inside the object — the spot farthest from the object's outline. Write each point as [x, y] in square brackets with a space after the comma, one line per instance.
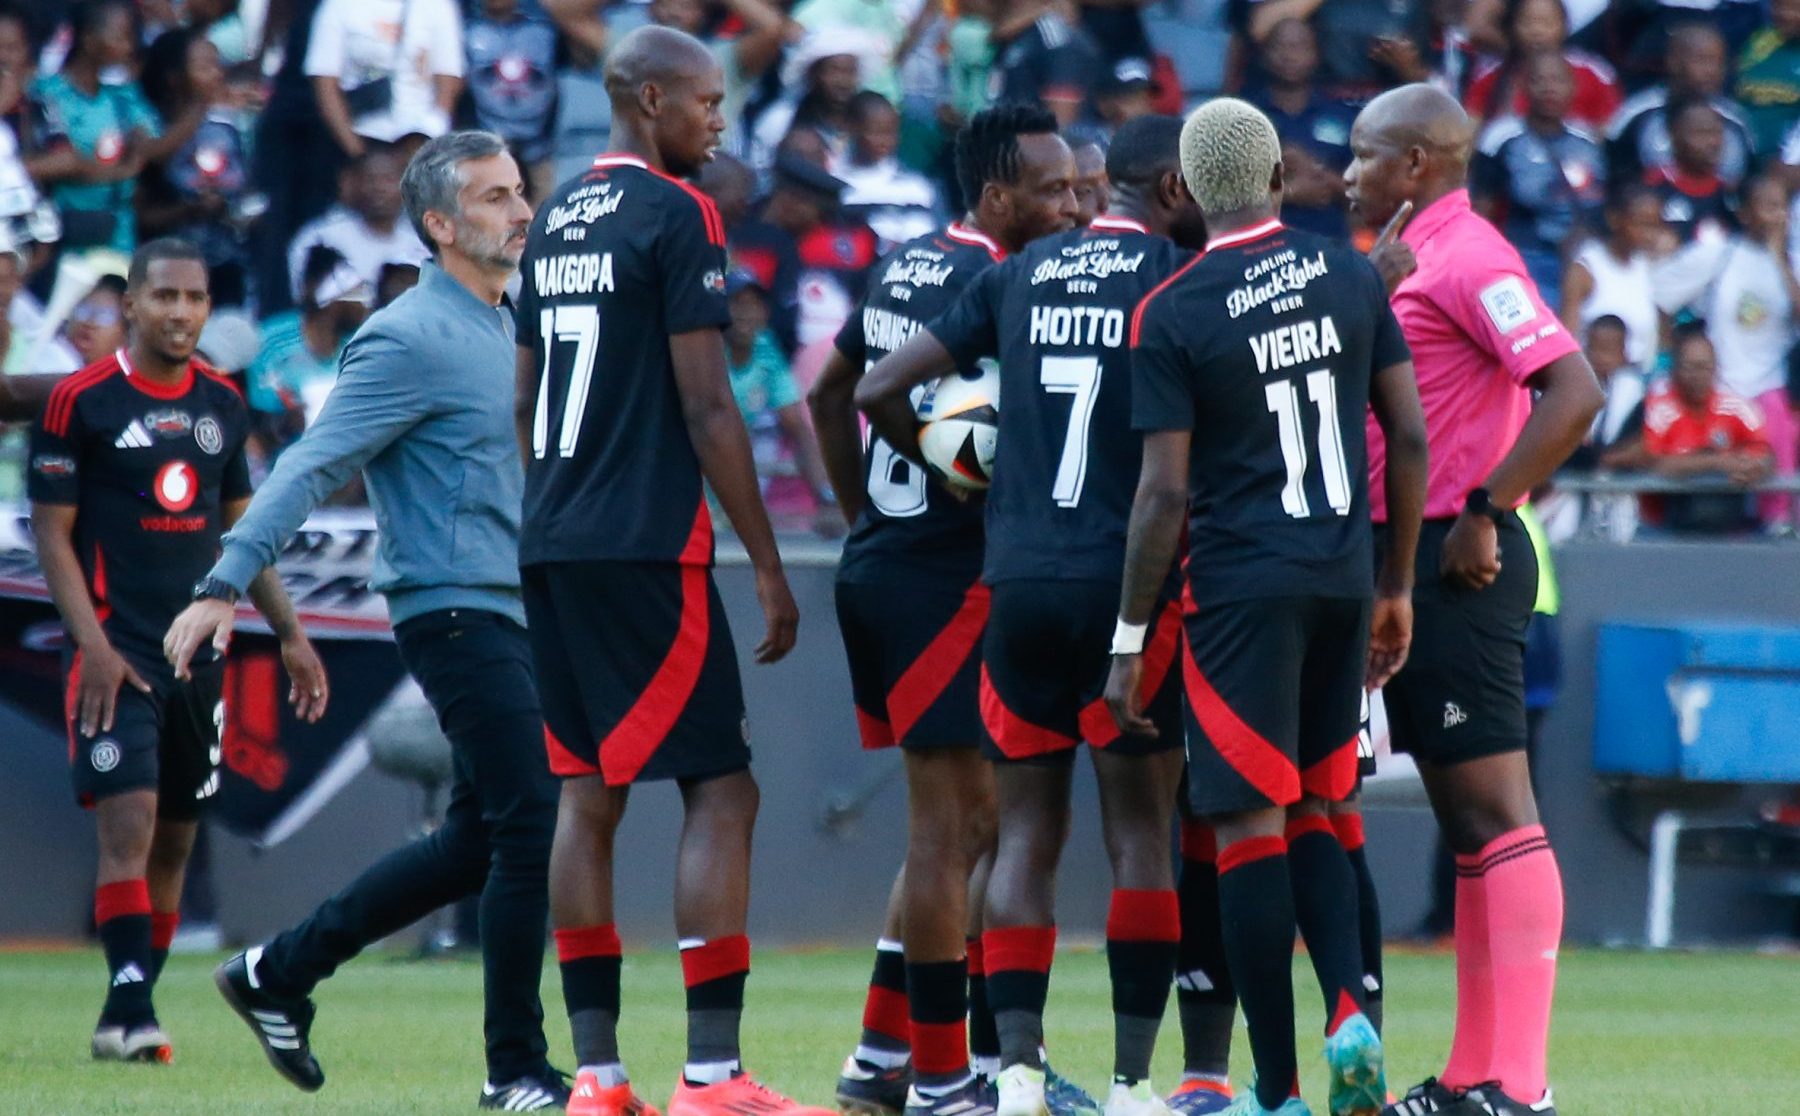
[212, 589]
[1481, 502]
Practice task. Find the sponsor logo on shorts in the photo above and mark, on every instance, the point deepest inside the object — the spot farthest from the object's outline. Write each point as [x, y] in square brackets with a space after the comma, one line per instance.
[1454, 715]
[105, 756]
[208, 434]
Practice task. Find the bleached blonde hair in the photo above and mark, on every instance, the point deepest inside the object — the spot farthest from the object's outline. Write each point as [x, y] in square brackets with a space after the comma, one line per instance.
[1229, 151]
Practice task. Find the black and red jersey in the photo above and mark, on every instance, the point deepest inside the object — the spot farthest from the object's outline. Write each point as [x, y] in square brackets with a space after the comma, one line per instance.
[1264, 348]
[619, 260]
[1066, 459]
[908, 519]
[148, 468]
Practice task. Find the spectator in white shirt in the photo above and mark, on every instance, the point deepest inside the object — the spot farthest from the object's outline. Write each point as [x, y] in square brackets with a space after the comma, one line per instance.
[385, 70]
[1745, 289]
[897, 203]
[366, 227]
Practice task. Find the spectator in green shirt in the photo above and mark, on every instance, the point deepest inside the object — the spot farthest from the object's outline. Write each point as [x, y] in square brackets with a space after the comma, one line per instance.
[297, 364]
[764, 387]
[105, 128]
[1768, 84]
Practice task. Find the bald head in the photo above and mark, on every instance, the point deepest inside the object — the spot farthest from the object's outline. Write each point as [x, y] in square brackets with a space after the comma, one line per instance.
[1421, 116]
[653, 55]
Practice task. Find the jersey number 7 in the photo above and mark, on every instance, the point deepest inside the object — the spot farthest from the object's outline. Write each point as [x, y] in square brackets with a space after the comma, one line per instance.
[1284, 401]
[1079, 377]
[581, 325]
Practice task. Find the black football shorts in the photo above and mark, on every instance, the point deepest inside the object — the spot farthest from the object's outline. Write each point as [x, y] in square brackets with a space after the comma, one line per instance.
[1045, 661]
[636, 670]
[913, 647]
[167, 740]
[1461, 694]
[1274, 689]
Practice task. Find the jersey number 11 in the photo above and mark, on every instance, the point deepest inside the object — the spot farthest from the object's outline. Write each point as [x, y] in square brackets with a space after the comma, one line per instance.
[1284, 401]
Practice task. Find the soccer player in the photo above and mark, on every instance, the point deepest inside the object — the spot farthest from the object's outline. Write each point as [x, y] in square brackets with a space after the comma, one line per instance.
[1252, 370]
[421, 408]
[1483, 341]
[137, 464]
[1055, 316]
[911, 607]
[623, 407]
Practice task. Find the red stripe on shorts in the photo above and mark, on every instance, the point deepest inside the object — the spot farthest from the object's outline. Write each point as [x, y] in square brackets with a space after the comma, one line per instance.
[1016, 737]
[938, 665]
[1257, 761]
[1097, 725]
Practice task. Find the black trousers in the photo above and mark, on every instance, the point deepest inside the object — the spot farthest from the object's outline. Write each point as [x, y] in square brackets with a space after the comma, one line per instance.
[475, 669]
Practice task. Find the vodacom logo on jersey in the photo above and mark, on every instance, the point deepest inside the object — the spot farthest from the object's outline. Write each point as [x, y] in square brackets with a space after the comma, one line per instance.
[177, 484]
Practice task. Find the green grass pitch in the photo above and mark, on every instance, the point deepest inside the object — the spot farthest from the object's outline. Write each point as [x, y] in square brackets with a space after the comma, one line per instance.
[1636, 1034]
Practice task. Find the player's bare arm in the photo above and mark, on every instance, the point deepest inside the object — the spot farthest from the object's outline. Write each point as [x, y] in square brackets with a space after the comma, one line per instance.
[1569, 398]
[103, 669]
[832, 402]
[884, 394]
[723, 446]
[1394, 398]
[1157, 512]
[525, 398]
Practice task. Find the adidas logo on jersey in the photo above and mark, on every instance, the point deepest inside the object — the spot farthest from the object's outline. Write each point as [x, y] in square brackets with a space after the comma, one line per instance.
[130, 974]
[1454, 715]
[133, 437]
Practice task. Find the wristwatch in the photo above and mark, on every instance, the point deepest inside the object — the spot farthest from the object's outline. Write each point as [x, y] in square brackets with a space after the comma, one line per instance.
[1481, 502]
[212, 589]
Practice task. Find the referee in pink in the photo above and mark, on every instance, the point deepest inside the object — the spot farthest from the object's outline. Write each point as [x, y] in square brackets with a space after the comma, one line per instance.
[1482, 341]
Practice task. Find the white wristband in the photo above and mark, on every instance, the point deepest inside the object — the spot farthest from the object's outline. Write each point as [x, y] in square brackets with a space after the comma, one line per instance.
[1128, 639]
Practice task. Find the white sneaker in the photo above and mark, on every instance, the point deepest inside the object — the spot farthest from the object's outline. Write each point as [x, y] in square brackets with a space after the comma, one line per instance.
[1135, 1100]
[1021, 1090]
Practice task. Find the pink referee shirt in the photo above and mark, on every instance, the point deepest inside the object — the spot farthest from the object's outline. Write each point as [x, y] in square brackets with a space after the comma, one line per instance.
[1478, 330]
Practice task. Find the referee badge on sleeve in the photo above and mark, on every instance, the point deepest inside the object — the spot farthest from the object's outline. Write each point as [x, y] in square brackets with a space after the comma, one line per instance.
[1507, 304]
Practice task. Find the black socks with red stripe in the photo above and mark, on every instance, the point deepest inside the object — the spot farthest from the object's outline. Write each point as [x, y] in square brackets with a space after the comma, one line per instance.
[1018, 982]
[1325, 906]
[1142, 929]
[122, 916]
[162, 933]
[885, 1043]
[938, 1006]
[1349, 829]
[1256, 909]
[589, 959]
[984, 1036]
[715, 972]
[1204, 994]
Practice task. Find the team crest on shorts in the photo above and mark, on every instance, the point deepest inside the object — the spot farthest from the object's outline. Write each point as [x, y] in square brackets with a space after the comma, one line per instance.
[105, 756]
[208, 434]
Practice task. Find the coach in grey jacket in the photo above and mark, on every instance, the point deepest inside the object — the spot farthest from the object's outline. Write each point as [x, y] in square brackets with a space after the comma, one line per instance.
[423, 406]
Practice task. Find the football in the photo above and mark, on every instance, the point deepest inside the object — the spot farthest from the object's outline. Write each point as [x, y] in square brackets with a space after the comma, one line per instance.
[959, 416]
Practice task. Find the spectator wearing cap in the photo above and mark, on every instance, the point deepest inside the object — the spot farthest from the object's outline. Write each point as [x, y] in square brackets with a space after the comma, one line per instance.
[1696, 427]
[1539, 178]
[1698, 203]
[1360, 41]
[1533, 27]
[821, 77]
[897, 203]
[1768, 77]
[95, 328]
[881, 30]
[296, 364]
[366, 226]
[201, 191]
[1640, 139]
[510, 57]
[385, 70]
[1744, 290]
[1044, 56]
[104, 131]
[763, 384]
[812, 262]
[1122, 94]
[1314, 128]
[744, 57]
[24, 348]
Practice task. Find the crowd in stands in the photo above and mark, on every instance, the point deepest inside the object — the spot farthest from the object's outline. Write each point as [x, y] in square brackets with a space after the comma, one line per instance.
[1642, 156]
